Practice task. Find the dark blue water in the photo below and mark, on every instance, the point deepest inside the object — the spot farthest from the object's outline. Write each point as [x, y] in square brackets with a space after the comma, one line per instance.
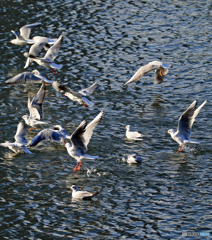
[107, 41]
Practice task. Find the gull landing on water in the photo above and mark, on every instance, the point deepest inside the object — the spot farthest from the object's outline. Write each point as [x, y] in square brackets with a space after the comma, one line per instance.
[186, 120]
[80, 138]
[161, 69]
[19, 146]
[76, 193]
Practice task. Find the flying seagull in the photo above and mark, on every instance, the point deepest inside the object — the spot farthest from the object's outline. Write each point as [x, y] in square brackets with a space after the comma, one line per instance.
[161, 69]
[80, 138]
[186, 120]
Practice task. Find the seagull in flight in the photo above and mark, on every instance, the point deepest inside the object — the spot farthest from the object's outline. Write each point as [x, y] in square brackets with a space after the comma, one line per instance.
[19, 146]
[57, 134]
[186, 120]
[80, 96]
[35, 76]
[161, 69]
[35, 108]
[80, 138]
[76, 193]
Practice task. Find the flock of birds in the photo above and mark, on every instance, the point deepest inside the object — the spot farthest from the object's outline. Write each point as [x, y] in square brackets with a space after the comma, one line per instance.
[76, 143]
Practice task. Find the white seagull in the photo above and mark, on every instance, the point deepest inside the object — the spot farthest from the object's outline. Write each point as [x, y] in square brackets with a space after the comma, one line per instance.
[133, 135]
[161, 69]
[76, 193]
[80, 96]
[57, 134]
[35, 108]
[133, 158]
[19, 146]
[48, 60]
[34, 76]
[80, 138]
[23, 37]
[186, 120]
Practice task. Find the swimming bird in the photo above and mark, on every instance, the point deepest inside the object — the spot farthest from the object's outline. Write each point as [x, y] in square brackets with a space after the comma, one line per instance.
[57, 134]
[19, 146]
[161, 69]
[48, 60]
[23, 37]
[76, 193]
[133, 158]
[34, 76]
[80, 96]
[80, 138]
[36, 109]
[186, 120]
[130, 134]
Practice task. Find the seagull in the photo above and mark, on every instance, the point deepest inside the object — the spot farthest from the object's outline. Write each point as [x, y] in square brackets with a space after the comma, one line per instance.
[133, 158]
[48, 60]
[33, 51]
[80, 138]
[80, 96]
[23, 37]
[57, 134]
[76, 193]
[35, 108]
[130, 134]
[161, 69]
[19, 146]
[186, 120]
[34, 76]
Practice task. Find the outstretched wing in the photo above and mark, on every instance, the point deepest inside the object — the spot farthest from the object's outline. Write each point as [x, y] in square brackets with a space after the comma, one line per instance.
[35, 107]
[45, 135]
[23, 77]
[25, 30]
[21, 133]
[88, 91]
[53, 51]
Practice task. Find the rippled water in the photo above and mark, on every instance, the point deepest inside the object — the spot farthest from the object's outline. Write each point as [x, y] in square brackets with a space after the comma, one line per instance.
[107, 41]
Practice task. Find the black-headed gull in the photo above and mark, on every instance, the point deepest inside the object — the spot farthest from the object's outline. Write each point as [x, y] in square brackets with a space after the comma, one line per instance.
[80, 96]
[80, 138]
[57, 134]
[186, 120]
[23, 37]
[48, 60]
[76, 193]
[35, 108]
[133, 158]
[161, 69]
[19, 146]
[34, 76]
[133, 135]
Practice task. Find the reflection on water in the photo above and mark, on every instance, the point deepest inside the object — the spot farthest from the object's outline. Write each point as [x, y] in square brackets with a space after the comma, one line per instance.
[107, 41]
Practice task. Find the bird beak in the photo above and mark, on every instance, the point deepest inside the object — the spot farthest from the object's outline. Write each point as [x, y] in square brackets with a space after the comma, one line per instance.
[21, 117]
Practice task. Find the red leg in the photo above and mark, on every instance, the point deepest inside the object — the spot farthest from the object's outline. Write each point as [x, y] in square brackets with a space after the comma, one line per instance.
[180, 149]
[53, 71]
[75, 169]
[79, 166]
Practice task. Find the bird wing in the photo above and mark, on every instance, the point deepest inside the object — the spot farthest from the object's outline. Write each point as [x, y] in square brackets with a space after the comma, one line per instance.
[186, 120]
[88, 91]
[23, 77]
[77, 139]
[16, 34]
[144, 70]
[87, 102]
[46, 134]
[36, 48]
[35, 107]
[90, 127]
[51, 54]
[20, 134]
[25, 30]
[41, 76]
